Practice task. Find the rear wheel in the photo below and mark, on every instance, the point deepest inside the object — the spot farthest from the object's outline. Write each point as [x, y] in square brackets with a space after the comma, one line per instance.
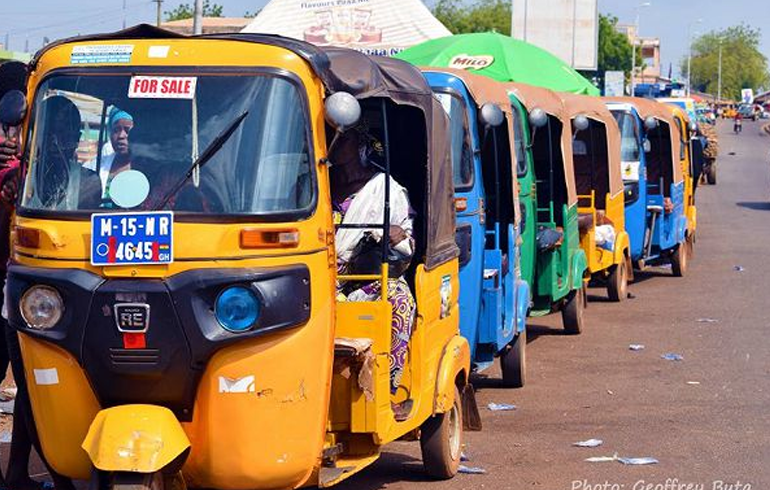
[572, 313]
[441, 441]
[679, 260]
[711, 174]
[513, 362]
[137, 481]
[617, 283]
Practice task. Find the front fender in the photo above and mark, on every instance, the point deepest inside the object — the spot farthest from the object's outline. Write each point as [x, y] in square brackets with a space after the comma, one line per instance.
[578, 268]
[681, 229]
[522, 305]
[135, 438]
[456, 359]
[622, 247]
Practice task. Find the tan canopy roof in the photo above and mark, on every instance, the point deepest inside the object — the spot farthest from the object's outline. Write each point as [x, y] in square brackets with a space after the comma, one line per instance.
[549, 101]
[484, 90]
[595, 108]
[664, 113]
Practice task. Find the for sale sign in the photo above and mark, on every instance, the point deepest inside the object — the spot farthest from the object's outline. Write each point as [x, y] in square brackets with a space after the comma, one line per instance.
[145, 87]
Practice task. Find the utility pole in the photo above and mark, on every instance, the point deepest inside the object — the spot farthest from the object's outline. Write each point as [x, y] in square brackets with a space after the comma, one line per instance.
[7, 42]
[689, 54]
[159, 2]
[124, 14]
[719, 76]
[633, 46]
[198, 18]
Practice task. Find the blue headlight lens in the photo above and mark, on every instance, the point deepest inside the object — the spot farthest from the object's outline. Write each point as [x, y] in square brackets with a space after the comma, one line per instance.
[237, 309]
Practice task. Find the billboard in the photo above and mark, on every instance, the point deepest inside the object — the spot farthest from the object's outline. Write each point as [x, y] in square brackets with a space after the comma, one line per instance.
[567, 28]
[614, 83]
[747, 96]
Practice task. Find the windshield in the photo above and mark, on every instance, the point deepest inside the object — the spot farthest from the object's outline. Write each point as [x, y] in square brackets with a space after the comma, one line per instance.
[462, 163]
[117, 142]
[629, 136]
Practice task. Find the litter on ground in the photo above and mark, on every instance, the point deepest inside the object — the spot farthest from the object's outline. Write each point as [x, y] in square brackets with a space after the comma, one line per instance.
[589, 443]
[501, 407]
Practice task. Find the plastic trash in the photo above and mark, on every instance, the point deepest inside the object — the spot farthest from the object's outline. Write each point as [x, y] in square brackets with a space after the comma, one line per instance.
[471, 470]
[602, 459]
[501, 407]
[464, 456]
[693, 383]
[708, 320]
[589, 443]
[738, 268]
[638, 461]
[605, 237]
[672, 357]
[636, 347]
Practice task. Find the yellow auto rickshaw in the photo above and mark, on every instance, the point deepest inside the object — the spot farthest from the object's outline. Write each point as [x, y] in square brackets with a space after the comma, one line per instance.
[601, 212]
[687, 130]
[178, 320]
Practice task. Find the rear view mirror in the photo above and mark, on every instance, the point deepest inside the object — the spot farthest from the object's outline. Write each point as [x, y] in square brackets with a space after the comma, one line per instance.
[693, 126]
[538, 118]
[580, 123]
[342, 111]
[13, 108]
[647, 146]
[650, 123]
[491, 115]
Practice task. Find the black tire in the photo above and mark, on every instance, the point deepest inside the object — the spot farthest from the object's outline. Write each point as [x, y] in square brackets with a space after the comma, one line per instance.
[513, 362]
[711, 175]
[572, 312]
[617, 282]
[679, 260]
[441, 442]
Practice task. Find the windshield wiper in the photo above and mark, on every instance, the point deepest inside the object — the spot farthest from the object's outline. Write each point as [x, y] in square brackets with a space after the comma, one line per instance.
[204, 158]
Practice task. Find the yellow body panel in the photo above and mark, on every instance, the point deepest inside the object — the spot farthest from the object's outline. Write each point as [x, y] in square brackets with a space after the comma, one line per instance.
[62, 403]
[136, 438]
[600, 259]
[686, 162]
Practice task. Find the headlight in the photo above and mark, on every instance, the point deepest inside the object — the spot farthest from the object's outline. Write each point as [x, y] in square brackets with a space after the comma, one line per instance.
[41, 307]
[237, 309]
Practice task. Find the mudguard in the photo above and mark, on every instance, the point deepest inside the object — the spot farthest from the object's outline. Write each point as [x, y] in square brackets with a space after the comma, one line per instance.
[135, 438]
[681, 229]
[579, 266]
[622, 247]
[522, 305]
[455, 359]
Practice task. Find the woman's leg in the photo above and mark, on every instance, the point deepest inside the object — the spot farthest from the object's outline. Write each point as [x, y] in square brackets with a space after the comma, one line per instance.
[404, 308]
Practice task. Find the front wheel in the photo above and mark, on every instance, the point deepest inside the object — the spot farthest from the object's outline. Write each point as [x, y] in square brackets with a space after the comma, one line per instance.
[617, 283]
[513, 362]
[572, 312]
[441, 441]
[679, 260]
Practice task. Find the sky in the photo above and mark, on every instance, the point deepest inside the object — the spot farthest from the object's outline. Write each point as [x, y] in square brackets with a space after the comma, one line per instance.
[27, 23]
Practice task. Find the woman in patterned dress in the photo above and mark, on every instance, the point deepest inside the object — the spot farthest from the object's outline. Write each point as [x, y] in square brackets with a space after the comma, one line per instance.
[358, 196]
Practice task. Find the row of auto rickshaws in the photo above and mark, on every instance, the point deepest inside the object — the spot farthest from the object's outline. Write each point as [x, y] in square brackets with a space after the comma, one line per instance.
[220, 355]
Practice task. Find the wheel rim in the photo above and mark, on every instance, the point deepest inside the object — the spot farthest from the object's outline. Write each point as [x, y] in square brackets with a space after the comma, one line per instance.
[454, 433]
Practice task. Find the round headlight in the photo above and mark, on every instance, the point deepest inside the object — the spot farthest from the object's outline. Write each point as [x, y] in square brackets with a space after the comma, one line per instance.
[237, 309]
[41, 307]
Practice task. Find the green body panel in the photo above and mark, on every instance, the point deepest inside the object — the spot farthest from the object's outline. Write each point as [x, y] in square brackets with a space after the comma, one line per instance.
[554, 274]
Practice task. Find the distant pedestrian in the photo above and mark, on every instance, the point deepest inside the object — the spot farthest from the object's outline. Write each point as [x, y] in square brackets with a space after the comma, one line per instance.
[738, 123]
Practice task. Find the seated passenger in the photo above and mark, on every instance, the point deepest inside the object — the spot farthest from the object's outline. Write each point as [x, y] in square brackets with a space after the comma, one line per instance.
[358, 195]
[120, 123]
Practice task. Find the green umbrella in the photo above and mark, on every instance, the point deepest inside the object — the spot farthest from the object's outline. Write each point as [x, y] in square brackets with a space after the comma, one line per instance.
[502, 58]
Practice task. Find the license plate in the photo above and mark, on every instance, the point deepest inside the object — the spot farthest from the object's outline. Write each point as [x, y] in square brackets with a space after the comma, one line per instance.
[131, 238]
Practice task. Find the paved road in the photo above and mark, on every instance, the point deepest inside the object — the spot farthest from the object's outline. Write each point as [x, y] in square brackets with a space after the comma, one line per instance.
[593, 386]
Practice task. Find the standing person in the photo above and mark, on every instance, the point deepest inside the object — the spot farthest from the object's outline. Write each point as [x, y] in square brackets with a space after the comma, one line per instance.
[24, 436]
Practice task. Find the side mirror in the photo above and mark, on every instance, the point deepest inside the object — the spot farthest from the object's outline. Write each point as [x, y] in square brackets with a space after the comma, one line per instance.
[538, 118]
[580, 123]
[650, 123]
[693, 126]
[342, 111]
[491, 115]
[13, 108]
[647, 146]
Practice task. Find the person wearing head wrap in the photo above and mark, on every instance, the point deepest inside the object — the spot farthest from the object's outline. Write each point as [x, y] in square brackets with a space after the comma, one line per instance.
[358, 195]
[119, 124]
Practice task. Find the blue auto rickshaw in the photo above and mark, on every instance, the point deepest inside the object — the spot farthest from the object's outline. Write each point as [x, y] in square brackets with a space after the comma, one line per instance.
[654, 187]
[494, 300]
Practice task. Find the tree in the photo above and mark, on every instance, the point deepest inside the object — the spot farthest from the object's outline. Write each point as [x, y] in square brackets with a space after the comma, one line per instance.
[483, 16]
[614, 51]
[743, 65]
[186, 11]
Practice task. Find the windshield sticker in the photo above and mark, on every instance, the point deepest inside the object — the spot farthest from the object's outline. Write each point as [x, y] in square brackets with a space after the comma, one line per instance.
[142, 87]
[101, 53]
[158, 52]
[630, 171]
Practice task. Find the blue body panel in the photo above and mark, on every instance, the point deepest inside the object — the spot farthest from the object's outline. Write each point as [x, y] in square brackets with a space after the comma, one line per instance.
[493, 298]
